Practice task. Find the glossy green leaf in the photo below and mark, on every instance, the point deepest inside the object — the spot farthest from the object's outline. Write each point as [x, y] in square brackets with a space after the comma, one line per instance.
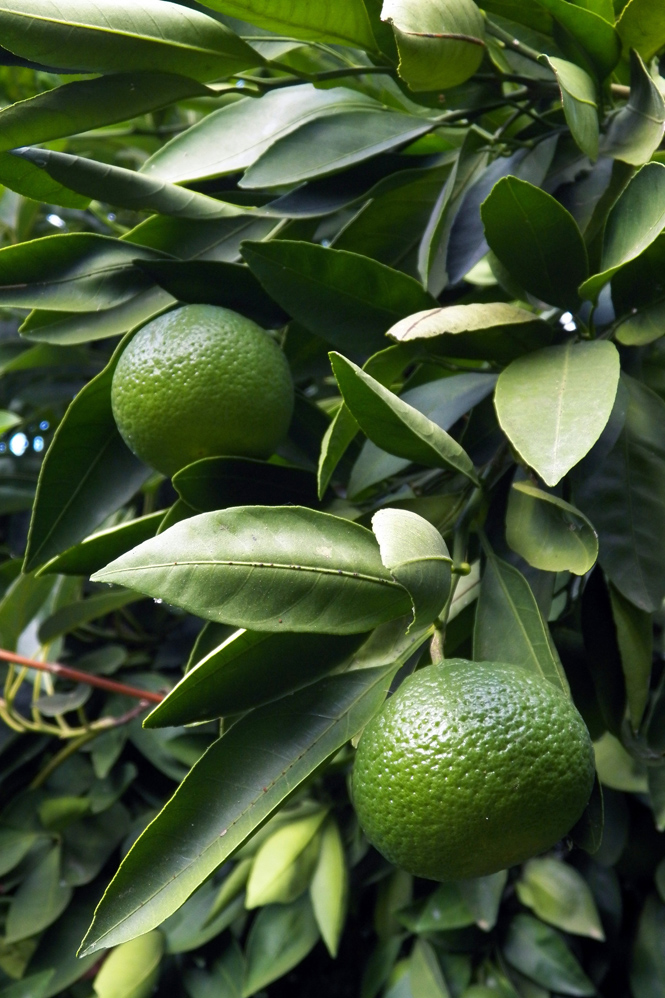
[425, 975]
[647, 971]
[74, 615]
[285, 862]
[125, 188]
[67, 328]
[396, 426]
[440, 44]
[579, 98]
[75, 272]
[509, 626]
[541, 954]
[58, 704]
[309, 571]
[330, 886]
[308, 19]
[248, 669]
[537, 240]
[100, 548]
[39, 901]
[559, 895]
[443, 401]
[28, 180]
[444, 909]
[616, 768]
[636, 130]
[56, 952]
[548, 532]
[30, 986]
[14, 845]
[347, 299]
[87, 474]
[585, 36]
[634, 629]
[20, 603]
[482, 897]
[635, 221]
[131, 970]
[85, 104]
[415, 554]
[295, 735]
[498, 330]
[280, 937]
[121, 35]
[230, 887]
[623, 498]
[330, 144]
[553, 404]
[234, 137]
[642, 27]
[217, 482]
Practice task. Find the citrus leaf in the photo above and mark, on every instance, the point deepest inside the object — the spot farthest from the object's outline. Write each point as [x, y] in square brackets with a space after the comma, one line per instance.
[67, 618]
[579, 98]
[537, 240]
[634, 629]
[440, 44]
[86, 104]
[539, 952]
[329, 887]
[276, 568]
[125, 188]
[260, 761]
[586, 37]
[623, 498]
[425, 975]
[560, 895]
[642, 27]
[482, 897]
[314, 20]
[28, 180]
[285, 862]
[234, 137]
[251, 668]
[330, 144]
[40, 899]
[415, 554]
[280, 937]
[548, 532]
[121, 35]
[636, 130]
[131, 970]
[77, 271]
[647, 971]
[347, 299]
[98, 549]
[509, 626]
[499, 331]
[553, 404]
[635, 221]
[68, 328]
[217, 482]
[396, 426]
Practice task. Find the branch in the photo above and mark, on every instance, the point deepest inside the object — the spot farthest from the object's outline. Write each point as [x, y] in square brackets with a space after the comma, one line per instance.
[81, 677]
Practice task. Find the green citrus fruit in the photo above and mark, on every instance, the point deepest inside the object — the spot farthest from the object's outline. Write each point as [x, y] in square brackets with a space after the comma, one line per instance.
[201, 381]
[471, 767]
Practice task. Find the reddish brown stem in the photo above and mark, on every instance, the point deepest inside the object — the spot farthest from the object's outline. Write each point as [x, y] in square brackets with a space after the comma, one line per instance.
[81, 677]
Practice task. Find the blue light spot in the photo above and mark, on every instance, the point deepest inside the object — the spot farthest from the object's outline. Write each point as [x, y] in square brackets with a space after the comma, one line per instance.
[44, 425]
[3, 448]
[55, 220]
[38, 444]
[18, 444]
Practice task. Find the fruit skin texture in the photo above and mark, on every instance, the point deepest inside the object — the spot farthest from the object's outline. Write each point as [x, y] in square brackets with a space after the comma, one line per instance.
[201, 381]
[470, 768]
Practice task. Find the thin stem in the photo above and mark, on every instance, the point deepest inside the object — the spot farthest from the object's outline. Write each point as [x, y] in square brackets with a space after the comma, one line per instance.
[275, 83]
[513, 43]
[55, 669]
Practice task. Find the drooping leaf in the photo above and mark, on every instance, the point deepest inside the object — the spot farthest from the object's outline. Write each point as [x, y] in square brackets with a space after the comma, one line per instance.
[308, 19]
[132, 969]
[509, 626]
[548, 532]
[125, 188]
[636, 130]
[498, 331]
[87, 474]
[123, 35]
[295, 735]
[559, 895]
[234, 137]
[329, 887]
[579, 98]
[347, 299]
[100, 548]
[647, 971]
[396, 426]
[635, 221]
[271, 568]
[585, 36]
[482, 897]
[440, 44]
[444, 909]
[553, 404]
[634, 629]
[285, 862]
[248, 669]
[541, 954]
[642, 27]
[25, 178]
[85, 104]
[281, 936]
[67, 618]
[425, 975]
[40, 899]
[67, 328]
[537, 240]
[623, 498]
